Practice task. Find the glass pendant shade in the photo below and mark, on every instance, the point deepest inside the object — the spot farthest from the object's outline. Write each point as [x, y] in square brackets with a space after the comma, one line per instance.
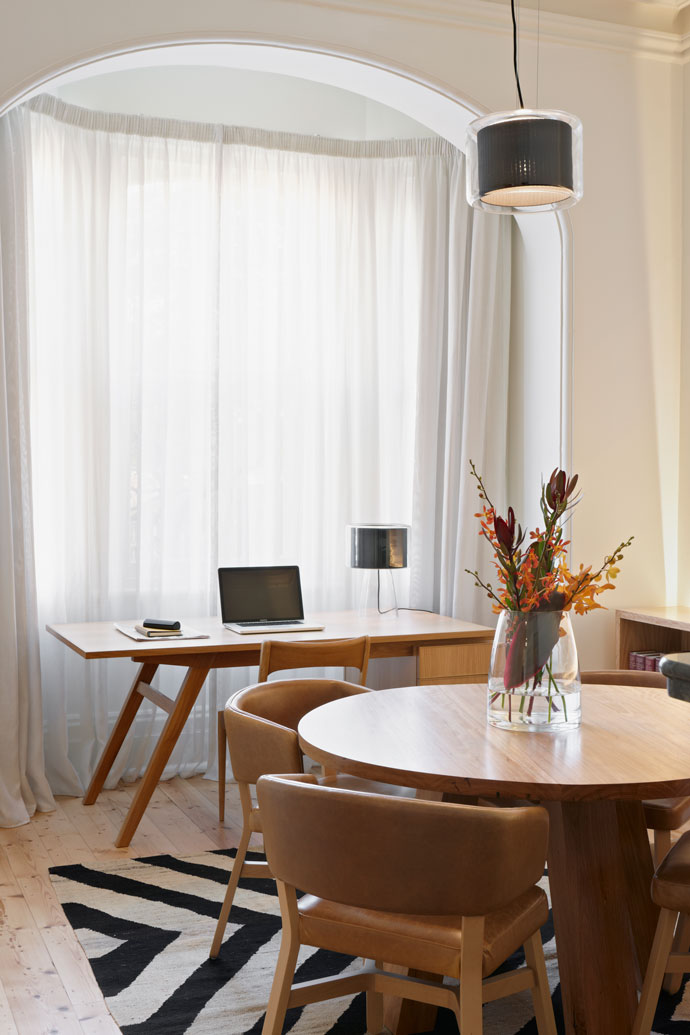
[524, 161]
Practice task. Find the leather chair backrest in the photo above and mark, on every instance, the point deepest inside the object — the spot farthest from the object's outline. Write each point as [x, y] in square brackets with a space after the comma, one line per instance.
[277, 655]
[625, 677]
[261, 723]
[399, 855]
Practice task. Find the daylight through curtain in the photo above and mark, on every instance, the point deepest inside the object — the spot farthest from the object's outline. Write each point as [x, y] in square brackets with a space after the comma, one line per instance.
[240, 341]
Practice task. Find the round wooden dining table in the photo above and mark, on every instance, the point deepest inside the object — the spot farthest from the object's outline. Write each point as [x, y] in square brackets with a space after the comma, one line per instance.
[633, 744]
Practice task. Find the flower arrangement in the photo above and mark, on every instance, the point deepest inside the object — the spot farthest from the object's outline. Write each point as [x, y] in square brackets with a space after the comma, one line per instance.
[534, 579]
[537, 577]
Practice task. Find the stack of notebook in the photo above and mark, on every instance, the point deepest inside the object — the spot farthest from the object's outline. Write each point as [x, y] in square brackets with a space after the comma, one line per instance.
[154, 628]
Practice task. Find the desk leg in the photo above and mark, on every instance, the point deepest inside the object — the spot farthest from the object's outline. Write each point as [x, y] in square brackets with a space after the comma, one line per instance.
[119, 731]
[599, 927]
[189, 691]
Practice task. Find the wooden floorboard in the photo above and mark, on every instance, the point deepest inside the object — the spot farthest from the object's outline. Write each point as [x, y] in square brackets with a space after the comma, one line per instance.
[46, 983]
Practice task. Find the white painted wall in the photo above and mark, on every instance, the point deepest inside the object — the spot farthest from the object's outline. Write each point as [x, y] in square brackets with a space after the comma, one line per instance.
[240, 97]
[627, 304]
[628, 90]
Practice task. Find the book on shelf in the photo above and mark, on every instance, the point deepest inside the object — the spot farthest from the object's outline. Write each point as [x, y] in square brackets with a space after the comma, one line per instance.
[645, 660]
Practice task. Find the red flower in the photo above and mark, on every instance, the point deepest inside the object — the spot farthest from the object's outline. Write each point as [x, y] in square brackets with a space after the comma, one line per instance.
[539, 578]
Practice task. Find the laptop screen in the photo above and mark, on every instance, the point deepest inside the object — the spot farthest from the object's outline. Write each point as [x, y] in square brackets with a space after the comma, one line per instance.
[271, 594]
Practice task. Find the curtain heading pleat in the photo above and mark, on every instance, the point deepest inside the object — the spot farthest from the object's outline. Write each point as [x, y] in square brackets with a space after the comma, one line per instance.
[204, 132]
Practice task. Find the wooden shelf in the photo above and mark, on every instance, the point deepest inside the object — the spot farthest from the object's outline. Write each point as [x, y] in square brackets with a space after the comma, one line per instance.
[665, 629]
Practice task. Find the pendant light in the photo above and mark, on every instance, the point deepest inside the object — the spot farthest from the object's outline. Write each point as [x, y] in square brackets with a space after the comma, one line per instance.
[527, 160]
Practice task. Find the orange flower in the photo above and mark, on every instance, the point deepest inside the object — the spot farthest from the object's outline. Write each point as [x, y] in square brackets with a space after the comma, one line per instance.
[538, 578]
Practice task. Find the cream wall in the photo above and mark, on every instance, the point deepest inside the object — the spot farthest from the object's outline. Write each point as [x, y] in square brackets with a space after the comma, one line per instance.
[628, 89]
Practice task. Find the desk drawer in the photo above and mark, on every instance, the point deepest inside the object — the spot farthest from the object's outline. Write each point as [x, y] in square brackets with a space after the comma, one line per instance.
[460, 663]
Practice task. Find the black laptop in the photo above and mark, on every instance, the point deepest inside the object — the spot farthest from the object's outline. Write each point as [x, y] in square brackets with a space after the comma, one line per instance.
[263, 599]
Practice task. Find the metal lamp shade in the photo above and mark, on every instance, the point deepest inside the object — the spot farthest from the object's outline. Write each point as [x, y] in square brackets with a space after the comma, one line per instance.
[377, 546]
[524, 161]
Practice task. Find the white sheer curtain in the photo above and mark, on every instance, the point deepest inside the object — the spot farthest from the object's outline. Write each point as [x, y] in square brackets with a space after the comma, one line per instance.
[462, 400]
[23, 786]
[241, 341]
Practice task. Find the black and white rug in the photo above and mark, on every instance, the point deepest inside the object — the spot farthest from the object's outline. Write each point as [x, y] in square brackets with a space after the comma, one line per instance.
[146, 926]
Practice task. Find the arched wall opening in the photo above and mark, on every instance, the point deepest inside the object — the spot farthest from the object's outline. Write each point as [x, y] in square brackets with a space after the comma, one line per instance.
[541, 352]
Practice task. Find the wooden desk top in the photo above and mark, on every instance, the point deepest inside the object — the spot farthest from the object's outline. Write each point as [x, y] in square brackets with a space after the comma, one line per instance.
[634, 743]
[410, 628]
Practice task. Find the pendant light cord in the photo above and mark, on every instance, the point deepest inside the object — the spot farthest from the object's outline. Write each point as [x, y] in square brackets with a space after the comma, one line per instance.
[538, 49]
[515, 54]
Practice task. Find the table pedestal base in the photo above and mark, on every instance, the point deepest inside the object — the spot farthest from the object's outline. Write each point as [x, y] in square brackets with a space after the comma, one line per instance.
[600, 870]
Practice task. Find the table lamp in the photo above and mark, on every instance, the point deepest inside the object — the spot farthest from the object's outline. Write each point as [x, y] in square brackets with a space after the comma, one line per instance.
[380, 549]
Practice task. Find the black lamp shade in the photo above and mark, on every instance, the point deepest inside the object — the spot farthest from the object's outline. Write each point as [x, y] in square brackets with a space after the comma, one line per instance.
[524, 161]
[525, 153]
[378, 546]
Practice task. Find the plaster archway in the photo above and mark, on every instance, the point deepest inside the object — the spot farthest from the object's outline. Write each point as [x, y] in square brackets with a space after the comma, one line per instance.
[542, 334]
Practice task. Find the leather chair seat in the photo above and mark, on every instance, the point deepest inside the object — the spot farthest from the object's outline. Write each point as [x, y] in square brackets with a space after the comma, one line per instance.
[671, 882]
[666, 813]
[427, 943]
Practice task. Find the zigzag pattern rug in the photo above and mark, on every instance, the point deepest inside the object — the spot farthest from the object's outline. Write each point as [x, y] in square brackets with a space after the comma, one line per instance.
[146, 926]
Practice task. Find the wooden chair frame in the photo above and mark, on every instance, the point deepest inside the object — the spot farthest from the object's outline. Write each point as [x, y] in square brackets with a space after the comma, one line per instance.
[287, 756]
[668, 961]
[465, 998]
[280, 655]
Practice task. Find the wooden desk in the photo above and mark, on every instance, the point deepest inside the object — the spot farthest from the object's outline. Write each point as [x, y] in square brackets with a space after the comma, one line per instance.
[633, 744]
[436, 641]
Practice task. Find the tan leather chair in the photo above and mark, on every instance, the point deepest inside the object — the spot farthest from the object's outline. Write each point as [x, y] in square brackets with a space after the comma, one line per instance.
[662, 815]
[261, 723]
[279, 655]
[669, 955]
[440, 888]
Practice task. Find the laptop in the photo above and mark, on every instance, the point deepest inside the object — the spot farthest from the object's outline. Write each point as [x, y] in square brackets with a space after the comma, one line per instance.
[263, 600]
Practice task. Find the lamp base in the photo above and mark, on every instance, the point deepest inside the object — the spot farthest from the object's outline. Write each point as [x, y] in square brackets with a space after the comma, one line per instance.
[377, 593]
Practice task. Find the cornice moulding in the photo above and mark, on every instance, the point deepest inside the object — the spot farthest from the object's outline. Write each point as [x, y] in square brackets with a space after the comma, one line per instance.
[488, 16]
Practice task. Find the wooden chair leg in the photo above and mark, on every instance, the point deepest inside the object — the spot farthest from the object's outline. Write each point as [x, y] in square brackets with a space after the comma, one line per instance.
[662, 845]
[374, 1002]
[285, 968]
[661, 947]
[681, 944]
[235, 875]
[222, 755]
[470, 1020]
[541, 995]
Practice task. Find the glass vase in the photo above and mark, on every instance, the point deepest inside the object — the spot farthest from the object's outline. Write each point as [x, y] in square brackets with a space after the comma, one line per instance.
[534, 677]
